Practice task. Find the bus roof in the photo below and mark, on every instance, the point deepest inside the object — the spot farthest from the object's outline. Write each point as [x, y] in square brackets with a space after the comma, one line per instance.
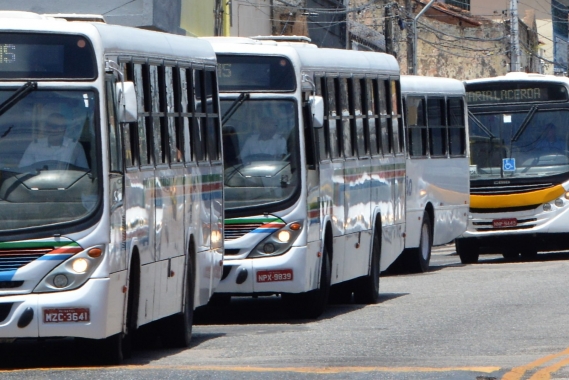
[309, 56]
[412, 84]
[519, 76]
[113, 39]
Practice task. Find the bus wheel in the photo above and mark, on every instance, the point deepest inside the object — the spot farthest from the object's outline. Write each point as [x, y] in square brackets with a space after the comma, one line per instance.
[417, 259]
[367, 288]
[467, 250]
[176, 330]
[311, 305]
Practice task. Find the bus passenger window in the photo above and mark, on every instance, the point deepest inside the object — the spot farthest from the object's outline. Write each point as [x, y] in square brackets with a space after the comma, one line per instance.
[155, 116]
[345, 114]
[385, 119]
[331, 119]
[360, 131]
[457, 130]
[437, 126]
[370, 112]
[141, 95]
[416, 126]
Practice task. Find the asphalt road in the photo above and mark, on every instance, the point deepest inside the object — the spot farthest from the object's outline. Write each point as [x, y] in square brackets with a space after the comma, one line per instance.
[492, 320]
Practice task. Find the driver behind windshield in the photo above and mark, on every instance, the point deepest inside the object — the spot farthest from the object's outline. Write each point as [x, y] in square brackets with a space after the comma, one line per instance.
[550, 142]
[55, 146]
[267, 142]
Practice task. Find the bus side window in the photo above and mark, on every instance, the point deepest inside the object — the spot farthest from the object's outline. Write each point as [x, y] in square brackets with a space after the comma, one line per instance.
[141, 95]
[212, 131]
[115, 153]
[319, 132]
[187, 116]
[344, 112]
[360, 131]
[416, 126]
[156, 115]
[330, 118]
[198, 135]
[456, 125]
[130, 141]
[437, 126]
[396, 124]
[371, 115]
[385, 120]
[170, 137]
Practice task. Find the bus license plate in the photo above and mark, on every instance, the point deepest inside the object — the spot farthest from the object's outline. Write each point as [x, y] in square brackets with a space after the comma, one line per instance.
[66, 315]
[510, 222]
[274, 275]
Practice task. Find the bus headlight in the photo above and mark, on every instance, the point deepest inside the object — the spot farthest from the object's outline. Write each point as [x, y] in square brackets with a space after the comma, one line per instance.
[278, 242]
[559, 202]
[73, 272]
[546, 207]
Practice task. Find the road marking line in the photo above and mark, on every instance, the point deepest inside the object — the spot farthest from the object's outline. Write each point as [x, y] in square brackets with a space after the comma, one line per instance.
[311, 370]
[517, 372]
[545, 373]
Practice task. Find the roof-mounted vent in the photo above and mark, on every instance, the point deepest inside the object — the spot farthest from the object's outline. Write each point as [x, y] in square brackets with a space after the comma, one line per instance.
[78, 17]
[283, 38]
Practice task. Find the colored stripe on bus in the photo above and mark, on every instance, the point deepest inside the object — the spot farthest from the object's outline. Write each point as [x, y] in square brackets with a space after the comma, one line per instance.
[516, 200]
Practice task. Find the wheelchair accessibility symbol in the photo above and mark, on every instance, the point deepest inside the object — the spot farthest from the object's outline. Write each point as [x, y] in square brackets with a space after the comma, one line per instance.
[508, 164]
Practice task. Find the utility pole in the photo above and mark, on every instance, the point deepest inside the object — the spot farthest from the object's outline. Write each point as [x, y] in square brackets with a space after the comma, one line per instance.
[515, 37]
[388, 29]
[415, 35]
[409, 11]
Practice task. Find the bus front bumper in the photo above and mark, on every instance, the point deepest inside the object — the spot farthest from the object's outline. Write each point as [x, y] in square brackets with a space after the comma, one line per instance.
[293, 272]
[81, 312]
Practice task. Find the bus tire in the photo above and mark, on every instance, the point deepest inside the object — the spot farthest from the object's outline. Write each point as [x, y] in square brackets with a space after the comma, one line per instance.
[417, 259]
[311, 305]
[467, 250]
[367, 288]
[176, 330]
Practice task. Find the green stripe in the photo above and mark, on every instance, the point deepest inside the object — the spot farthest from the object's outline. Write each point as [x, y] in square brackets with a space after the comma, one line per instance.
[254, 219]
[38, 244]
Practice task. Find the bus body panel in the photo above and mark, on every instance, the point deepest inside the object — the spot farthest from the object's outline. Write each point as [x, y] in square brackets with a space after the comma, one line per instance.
[444, 183]
[151, 211]
[339, 200]
[520, 220]
[440, 184]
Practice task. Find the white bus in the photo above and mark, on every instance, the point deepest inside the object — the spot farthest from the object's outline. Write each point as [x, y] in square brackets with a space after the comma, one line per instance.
[437, 166]
[519, 173]
[111, 201]
[318, 203]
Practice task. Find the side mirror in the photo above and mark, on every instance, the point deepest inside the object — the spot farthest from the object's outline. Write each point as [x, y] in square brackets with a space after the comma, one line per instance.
[317, 110]
[126, 99]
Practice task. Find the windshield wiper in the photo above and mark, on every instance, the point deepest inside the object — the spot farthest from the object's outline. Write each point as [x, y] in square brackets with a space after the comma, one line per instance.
[482, 126]
[18, 95]
[524, 124]
[234, 107]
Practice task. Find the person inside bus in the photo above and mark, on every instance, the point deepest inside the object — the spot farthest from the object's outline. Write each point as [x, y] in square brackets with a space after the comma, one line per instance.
[55, 146]
[549, 142]
[268, 143]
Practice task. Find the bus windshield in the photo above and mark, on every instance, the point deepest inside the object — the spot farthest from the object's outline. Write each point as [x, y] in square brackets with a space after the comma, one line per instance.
[260, 143]
[529, 143]
[48, 170]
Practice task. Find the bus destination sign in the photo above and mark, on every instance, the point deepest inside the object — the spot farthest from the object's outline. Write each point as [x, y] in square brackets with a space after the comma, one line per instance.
[504, 92]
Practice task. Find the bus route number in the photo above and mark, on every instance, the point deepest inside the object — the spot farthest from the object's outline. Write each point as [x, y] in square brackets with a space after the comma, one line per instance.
[66, 315]
[274, 275]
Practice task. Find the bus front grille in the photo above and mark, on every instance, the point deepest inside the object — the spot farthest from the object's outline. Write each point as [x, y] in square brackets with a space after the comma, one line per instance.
[235, 231]
[509, 189]
[522, 224]
[5, 309]
[12, 259]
